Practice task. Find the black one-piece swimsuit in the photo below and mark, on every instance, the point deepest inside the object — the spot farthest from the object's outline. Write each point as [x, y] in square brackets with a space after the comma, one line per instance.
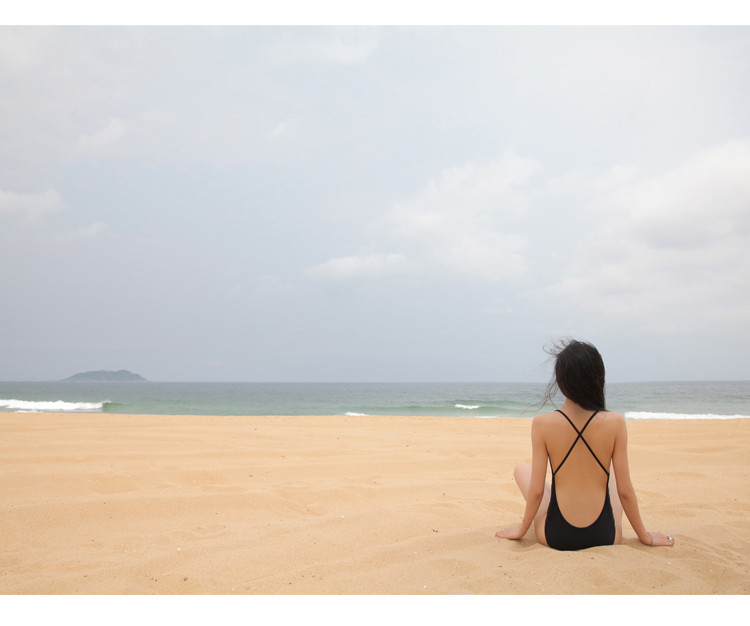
[561, 534]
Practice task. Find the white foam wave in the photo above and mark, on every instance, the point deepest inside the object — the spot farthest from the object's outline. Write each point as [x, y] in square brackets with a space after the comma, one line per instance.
[470, 407]
[55, 406]
[350, 414]
[644, 415]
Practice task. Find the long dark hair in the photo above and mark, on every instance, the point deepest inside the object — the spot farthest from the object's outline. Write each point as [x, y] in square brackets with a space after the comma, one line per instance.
[579, 374]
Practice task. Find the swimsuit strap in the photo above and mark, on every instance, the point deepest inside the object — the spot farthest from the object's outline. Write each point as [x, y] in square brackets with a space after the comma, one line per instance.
[580, 436]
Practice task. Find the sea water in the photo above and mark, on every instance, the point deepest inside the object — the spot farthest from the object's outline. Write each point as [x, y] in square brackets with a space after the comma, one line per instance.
[652, 400]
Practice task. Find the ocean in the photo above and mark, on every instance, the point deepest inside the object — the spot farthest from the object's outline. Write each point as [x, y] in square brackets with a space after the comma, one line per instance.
[653, 400]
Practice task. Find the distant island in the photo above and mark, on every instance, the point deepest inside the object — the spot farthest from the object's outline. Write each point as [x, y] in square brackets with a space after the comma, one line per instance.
[106, 376]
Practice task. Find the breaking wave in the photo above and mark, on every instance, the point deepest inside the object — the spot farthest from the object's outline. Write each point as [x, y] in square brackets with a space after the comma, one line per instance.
[54, 406]
[643, 415]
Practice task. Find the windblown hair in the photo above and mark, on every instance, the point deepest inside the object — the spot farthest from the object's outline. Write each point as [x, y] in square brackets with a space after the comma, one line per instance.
[579, 374]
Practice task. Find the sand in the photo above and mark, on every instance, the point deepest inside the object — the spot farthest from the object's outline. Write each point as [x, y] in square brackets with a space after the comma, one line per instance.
[134, 504]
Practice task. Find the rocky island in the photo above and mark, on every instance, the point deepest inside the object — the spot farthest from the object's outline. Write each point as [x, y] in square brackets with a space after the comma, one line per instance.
[106, 376]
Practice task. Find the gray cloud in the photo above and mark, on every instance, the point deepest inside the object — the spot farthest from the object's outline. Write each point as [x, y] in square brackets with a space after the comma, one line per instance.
[371, 203]
[458, 226]
[669, 252]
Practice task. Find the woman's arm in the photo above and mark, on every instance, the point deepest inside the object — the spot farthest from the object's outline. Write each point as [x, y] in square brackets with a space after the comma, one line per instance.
[626, 491]
[535, 490]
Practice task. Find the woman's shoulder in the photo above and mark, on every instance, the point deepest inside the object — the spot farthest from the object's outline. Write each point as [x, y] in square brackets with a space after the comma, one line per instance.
[543, 418]
[613, 417]
[606, 416]
[613, 422]
[556, 415]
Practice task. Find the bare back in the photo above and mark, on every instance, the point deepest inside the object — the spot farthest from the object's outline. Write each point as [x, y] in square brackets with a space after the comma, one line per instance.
[580, 470]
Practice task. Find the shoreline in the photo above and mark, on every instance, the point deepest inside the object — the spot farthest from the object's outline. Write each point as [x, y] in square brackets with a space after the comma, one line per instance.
[173, 504]
[630, 416]
[487, 400]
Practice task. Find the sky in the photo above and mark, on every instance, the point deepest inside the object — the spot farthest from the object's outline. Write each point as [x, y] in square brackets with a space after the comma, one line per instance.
[374, 203]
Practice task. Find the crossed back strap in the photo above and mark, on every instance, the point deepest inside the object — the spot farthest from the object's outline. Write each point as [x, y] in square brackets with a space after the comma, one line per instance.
[580, 436]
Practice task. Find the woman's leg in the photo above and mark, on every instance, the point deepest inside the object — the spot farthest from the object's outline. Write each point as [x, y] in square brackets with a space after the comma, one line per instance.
[614, 499]
[522, 475]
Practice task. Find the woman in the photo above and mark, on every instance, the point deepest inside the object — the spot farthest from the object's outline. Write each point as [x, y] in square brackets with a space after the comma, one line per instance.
[587, 450]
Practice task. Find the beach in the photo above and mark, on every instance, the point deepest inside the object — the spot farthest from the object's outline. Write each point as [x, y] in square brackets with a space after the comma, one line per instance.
[170, 504]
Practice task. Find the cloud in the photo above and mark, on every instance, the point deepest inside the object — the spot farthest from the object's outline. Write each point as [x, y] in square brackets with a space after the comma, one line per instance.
[458, 226]
[334, 46]
[365, 265]
[101, 141]
[33, 231]
[670, 253]
[21, 48]
[591, 183]
[30, 205]
[67, 99]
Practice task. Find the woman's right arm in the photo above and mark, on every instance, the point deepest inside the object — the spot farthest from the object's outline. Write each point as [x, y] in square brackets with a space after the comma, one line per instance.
[626, 491]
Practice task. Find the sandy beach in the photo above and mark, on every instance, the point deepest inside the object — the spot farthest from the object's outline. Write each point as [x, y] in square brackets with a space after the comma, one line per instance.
[137, 504]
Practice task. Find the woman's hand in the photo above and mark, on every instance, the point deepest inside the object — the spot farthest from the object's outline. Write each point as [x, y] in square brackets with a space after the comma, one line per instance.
[660, 539]
[514, 532]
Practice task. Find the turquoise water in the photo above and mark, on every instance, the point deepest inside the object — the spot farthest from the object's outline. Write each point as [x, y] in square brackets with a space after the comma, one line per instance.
[656, 400]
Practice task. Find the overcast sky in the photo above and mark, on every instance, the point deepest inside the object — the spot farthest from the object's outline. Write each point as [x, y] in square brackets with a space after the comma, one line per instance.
[373, 204]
